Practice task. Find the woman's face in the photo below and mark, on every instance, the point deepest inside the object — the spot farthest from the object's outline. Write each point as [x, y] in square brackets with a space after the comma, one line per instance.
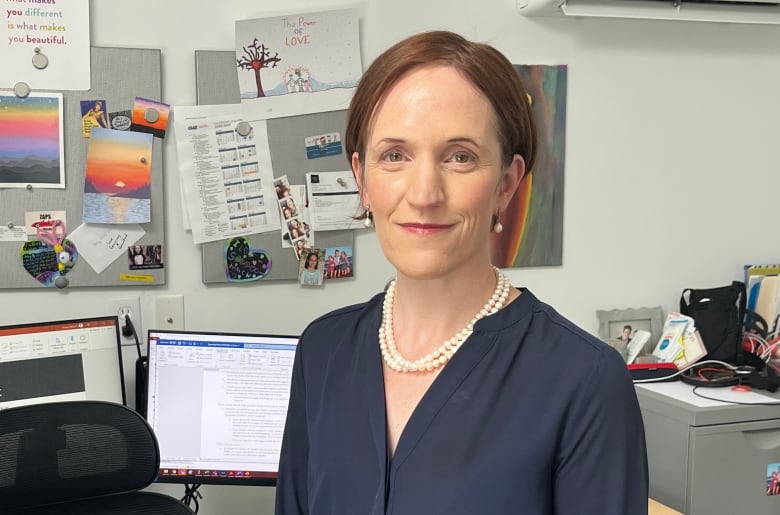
[433, 176]
[312, 261]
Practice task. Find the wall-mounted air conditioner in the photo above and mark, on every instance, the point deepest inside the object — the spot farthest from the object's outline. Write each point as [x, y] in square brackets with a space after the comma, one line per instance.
[729, 11]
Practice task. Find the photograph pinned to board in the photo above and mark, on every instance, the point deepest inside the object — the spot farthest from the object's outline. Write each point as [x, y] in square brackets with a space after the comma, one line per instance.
[31, 141]
[618, 327]
[295, 215]
[144, 257]
[93, 114]
[338, 262]
[117, 185]
[533, 220]
[310, 271]
[300, 246]
[301, 63]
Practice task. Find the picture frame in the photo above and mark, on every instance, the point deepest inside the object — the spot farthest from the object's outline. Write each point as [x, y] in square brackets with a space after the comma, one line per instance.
[612, 323]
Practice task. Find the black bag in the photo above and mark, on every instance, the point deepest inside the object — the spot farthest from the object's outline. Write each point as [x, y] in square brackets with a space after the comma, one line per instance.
[719, 314]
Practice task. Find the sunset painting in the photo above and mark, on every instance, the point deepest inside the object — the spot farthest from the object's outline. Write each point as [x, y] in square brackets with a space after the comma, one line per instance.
[117, 186]
[31, 141]
[138, 118]
[533, 221]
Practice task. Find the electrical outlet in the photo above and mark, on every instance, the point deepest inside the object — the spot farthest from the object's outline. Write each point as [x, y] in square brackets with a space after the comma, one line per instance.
[127, 306]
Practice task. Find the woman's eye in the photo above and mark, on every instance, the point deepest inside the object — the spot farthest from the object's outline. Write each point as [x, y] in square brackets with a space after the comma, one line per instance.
[393, 156]
[462, 158]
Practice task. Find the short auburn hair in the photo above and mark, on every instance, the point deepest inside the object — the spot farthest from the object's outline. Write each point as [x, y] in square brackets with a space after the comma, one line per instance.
[484, 66]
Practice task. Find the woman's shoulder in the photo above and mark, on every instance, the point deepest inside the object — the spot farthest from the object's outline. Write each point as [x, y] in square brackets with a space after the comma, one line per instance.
[340, 329]
[343, 317]
[550, 333]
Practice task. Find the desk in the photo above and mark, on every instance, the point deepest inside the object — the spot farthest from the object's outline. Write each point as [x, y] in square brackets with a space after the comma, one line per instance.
[709, 457]
[656, 508]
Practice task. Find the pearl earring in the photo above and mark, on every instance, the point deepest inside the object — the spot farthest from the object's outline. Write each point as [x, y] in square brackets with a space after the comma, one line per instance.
[497, 227]
[368, 223]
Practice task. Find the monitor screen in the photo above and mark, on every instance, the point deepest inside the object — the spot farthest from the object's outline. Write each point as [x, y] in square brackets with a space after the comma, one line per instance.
[66, 360]
[218, 403]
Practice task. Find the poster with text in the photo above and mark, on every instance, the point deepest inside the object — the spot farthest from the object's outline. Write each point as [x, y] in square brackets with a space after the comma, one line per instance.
[299, 64]
[45, 44]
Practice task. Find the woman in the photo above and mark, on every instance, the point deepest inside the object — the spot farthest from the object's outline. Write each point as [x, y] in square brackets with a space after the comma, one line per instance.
[453, 392]
[343, 267]
[310, 273]
[137, 256]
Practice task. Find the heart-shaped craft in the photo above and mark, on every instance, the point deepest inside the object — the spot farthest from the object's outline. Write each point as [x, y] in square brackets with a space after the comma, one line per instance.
[243, 263]
[42, 261]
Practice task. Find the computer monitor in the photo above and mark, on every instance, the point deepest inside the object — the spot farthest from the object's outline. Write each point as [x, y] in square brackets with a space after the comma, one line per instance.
[218, 403]
[66, 360]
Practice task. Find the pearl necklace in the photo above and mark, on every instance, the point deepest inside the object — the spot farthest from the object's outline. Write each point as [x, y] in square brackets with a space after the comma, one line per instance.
[442, 355]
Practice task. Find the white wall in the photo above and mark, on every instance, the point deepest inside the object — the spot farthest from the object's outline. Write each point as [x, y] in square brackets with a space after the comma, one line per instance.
[671, 163]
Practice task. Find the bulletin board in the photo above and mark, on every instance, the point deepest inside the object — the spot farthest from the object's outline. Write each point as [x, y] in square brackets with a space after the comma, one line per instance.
[217, 83]
[119, 75]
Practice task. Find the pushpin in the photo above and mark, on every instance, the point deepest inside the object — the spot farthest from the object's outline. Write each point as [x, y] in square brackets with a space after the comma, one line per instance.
[21, 89]
[243, 129]
[10, 225]
[29, 187]
[39, 60]
[61, 282]
[143, 160]
[151, 115]
[342, 182]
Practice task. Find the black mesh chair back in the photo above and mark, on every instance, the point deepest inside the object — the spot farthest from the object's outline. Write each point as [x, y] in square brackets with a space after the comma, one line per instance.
[85, 457]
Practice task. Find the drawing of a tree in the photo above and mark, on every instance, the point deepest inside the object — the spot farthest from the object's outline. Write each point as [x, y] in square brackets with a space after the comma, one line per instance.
[256, 57]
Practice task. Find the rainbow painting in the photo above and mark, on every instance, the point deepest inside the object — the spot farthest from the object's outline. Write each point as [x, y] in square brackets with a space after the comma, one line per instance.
[31, 144]
[533, 221]
[117, 185]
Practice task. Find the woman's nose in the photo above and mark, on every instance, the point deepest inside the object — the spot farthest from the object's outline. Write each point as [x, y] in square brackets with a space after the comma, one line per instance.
[426, 185]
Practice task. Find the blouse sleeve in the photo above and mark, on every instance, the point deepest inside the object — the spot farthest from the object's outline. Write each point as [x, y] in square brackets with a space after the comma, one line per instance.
[601, 468]
[291, 485]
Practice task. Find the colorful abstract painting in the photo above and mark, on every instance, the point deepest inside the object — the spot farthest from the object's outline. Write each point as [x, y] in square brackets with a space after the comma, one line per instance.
[31, 145]
[117, 186]
[533, 221]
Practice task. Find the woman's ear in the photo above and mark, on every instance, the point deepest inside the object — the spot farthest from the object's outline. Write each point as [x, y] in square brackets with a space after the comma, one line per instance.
[510, 180]
[357, 170]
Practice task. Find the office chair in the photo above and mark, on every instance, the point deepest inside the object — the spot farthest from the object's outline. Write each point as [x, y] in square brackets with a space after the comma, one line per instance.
[81, 457]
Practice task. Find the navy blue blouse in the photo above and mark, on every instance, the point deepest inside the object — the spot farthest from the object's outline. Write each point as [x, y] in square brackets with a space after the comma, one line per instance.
[531, 416]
